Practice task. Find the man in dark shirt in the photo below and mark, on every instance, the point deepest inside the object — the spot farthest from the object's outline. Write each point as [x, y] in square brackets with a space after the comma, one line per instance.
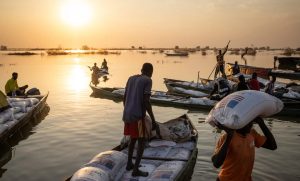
[136, 103]
[242, 85]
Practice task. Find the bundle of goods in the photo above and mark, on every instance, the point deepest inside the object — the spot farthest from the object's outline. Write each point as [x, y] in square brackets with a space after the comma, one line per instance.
[238, 109]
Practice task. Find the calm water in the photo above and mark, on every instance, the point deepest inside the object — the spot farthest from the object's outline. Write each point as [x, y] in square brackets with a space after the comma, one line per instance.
[79, 126]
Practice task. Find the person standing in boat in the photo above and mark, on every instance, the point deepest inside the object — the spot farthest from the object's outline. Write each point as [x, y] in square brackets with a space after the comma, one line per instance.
[95, 69]
[136, 103]
[235, 68]
[221, 62]
[95, 75]
[235, 150]
[12, 88]
[253, 83]
[104, 65]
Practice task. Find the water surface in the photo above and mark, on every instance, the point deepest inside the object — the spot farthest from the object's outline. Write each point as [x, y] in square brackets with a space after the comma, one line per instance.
[79, 126]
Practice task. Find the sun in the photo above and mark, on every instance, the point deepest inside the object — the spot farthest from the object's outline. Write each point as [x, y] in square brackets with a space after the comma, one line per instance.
[76, 13]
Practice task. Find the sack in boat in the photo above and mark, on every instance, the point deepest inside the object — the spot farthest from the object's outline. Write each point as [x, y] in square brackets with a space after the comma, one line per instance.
[6, 115]
[179, 153]
[238, 109]
[34, 101]
[19, 115]
[109, 161]
[33, 91]
[143, 167]
[190, 145]
[157, 143]
[156, 152]
[20, 104]
[90, 174]
[167, 171]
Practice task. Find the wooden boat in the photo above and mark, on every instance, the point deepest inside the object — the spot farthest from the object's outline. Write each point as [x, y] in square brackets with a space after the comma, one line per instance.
[288, 62]
[291, 107]
[157, 98]
[266, 72]
[187, 170]
[177, 54]
[199, 86]
[26, 118]
[286, 74]
[261, 72]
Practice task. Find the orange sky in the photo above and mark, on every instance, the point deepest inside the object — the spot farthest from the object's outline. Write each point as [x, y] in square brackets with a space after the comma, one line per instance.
[149, 23]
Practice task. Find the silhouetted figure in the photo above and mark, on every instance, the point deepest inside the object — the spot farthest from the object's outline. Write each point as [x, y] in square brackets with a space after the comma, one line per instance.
[242, 85]
[221, 62]
[136, 103]
[12, 88]
[235, 68]
[104, 65]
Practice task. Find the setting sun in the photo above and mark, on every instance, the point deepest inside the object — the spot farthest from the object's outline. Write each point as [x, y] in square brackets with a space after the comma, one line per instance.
[76, 13]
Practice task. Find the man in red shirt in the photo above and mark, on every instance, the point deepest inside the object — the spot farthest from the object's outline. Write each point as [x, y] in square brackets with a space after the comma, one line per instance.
[253, 83]
[235, 150]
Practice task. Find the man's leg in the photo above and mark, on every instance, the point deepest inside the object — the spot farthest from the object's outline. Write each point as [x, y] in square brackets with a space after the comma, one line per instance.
[217, 71]
[140, 151]
[130, 153]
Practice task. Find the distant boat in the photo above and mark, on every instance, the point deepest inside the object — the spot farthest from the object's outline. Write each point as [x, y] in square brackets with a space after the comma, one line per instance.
[177, 54]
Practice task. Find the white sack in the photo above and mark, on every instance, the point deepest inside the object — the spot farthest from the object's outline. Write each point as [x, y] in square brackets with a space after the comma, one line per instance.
[90, 174]
[238, 109]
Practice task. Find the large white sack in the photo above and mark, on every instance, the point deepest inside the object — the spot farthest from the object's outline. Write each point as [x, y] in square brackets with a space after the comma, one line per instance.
[167, 171]
[190, 92]
[109, 161]
[19, 115]
[156, 152]
[190, 145]
[90, 174]
[6, 115]
[238, 109]
[157, 143]
[143, 167]
[33, 100]
[179, 153]
[20, 104]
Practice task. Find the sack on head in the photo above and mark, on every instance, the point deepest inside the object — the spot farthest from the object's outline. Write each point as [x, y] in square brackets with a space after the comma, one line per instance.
[238, 109]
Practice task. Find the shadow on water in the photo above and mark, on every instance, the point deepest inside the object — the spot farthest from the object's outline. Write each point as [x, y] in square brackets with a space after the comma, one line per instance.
[6, 148]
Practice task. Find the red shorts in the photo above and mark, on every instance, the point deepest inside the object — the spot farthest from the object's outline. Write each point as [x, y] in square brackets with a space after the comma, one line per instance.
[135, 129]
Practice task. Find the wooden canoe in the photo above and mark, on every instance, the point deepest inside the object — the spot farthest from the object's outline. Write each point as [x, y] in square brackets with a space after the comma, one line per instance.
[158, 98]
[186, 172]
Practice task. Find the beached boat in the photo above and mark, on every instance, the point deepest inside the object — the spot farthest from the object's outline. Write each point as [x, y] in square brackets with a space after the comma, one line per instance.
[157, 98]
[177, 54]
[8, 129]
[168, 160]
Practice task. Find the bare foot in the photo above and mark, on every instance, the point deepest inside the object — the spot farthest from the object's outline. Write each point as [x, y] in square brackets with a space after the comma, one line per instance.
[129, 166]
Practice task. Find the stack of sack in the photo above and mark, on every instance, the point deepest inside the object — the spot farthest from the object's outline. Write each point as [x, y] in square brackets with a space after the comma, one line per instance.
[19, 107]
[240, 108]
[111, 166]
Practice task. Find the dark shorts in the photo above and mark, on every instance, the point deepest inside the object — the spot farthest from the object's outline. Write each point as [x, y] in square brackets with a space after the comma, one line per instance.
[135, 129]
